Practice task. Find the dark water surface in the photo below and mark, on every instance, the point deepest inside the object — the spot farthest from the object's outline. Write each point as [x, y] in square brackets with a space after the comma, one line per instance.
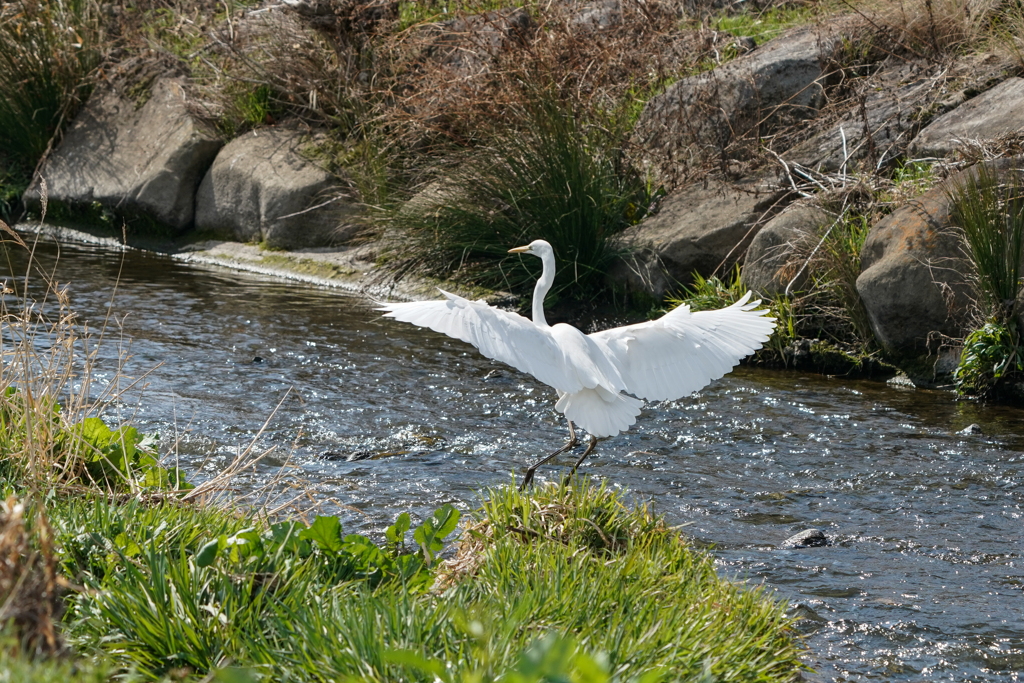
[924, 576]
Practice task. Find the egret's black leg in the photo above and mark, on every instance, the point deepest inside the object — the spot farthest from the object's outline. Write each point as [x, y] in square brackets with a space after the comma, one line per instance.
[590, 449]
[571, 443]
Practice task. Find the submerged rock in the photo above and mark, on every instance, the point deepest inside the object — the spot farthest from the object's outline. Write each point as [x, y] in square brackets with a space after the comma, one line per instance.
[261, 189]
[133, 160]
[809, 538]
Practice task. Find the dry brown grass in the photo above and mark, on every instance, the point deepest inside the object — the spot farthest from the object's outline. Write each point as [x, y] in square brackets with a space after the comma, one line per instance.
[30, 586]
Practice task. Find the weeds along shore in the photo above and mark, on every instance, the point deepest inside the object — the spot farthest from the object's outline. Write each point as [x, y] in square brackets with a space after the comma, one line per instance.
[113, 566]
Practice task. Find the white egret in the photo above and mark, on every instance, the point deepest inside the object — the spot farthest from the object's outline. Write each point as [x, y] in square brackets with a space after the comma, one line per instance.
[594, 374]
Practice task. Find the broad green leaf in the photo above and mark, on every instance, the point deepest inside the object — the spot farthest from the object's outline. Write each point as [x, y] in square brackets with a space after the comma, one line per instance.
[367, 555]
[430, 534]
[129, 547]
[325, 531]
[396, 532]
[445, 520]
[244, 544]
[287, 536]
[96, 432]
[208, 553]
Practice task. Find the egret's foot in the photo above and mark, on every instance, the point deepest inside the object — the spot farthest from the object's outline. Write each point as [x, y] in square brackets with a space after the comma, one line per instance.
[569, 445]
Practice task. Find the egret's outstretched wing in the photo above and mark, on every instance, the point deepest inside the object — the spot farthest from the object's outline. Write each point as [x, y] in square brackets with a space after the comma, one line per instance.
[682, 352]
[500, 335]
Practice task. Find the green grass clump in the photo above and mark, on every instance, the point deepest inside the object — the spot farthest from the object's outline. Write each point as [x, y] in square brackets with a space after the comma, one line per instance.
[47, 51]
[549, 175]
[989, 211]
[569, 581]
[763, 25]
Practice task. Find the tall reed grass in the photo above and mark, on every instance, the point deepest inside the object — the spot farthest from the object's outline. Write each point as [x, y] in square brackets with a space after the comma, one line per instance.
[48, 49]
[548, 175]
[987, 206]
[988, 209]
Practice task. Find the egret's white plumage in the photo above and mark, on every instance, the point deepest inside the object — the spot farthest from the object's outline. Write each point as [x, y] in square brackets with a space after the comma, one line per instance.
[594, 374]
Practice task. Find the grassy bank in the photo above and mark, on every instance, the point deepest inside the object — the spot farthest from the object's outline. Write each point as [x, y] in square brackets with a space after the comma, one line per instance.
[563, 582]
[114, 567]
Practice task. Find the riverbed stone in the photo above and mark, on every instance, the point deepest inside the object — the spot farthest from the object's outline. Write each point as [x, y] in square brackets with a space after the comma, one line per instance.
[994, 113]
[912, 280]
[133, 160]
[773, 259]
[700, 116]
[809, 538]
[702, 228]
[261, 188]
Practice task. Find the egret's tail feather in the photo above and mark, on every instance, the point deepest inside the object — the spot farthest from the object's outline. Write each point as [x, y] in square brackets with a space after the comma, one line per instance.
[599, 411]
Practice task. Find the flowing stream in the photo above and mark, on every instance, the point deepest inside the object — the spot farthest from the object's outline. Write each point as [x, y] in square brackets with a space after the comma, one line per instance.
[923, 577]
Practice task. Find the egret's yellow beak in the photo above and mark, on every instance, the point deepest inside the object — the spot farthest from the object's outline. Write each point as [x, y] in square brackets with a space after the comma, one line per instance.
[519, 250]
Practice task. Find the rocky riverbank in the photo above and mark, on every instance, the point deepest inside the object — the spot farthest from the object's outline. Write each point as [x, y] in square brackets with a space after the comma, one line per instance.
[815, 149]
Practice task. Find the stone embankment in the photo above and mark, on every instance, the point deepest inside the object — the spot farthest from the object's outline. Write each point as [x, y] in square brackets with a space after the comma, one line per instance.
[757, 154]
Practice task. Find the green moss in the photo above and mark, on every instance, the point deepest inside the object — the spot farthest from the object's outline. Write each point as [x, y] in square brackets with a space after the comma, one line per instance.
[764, 25]
[313, 267]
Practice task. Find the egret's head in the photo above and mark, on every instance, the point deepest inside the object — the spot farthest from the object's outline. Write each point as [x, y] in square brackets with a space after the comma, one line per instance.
[536, 247]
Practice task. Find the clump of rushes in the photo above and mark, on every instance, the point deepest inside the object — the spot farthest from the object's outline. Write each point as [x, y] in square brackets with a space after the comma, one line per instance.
[988, 208]
[47, 51]
[549, 175]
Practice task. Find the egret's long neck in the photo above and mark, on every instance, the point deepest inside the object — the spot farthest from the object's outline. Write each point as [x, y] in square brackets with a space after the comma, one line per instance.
[547, 278]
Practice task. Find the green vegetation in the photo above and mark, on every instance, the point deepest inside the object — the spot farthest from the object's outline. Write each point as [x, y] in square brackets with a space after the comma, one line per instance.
[991, 353]
[837, 270]
[988, 208]
[48, 48]
[550, 175]
[411, 13]
[763, 25]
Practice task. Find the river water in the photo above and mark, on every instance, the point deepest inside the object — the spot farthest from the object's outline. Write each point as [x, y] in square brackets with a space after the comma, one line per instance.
[923, 577]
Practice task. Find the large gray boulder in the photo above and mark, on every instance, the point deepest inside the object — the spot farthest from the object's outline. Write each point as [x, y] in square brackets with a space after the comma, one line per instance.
[914, 276]
[994, 113]
[133, 160]
[779, 249]
[700, 116]
[878, 115]
[702, 228]
[262, 189]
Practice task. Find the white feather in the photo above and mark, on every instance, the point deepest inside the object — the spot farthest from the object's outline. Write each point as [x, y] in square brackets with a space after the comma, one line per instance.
[663, 359]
